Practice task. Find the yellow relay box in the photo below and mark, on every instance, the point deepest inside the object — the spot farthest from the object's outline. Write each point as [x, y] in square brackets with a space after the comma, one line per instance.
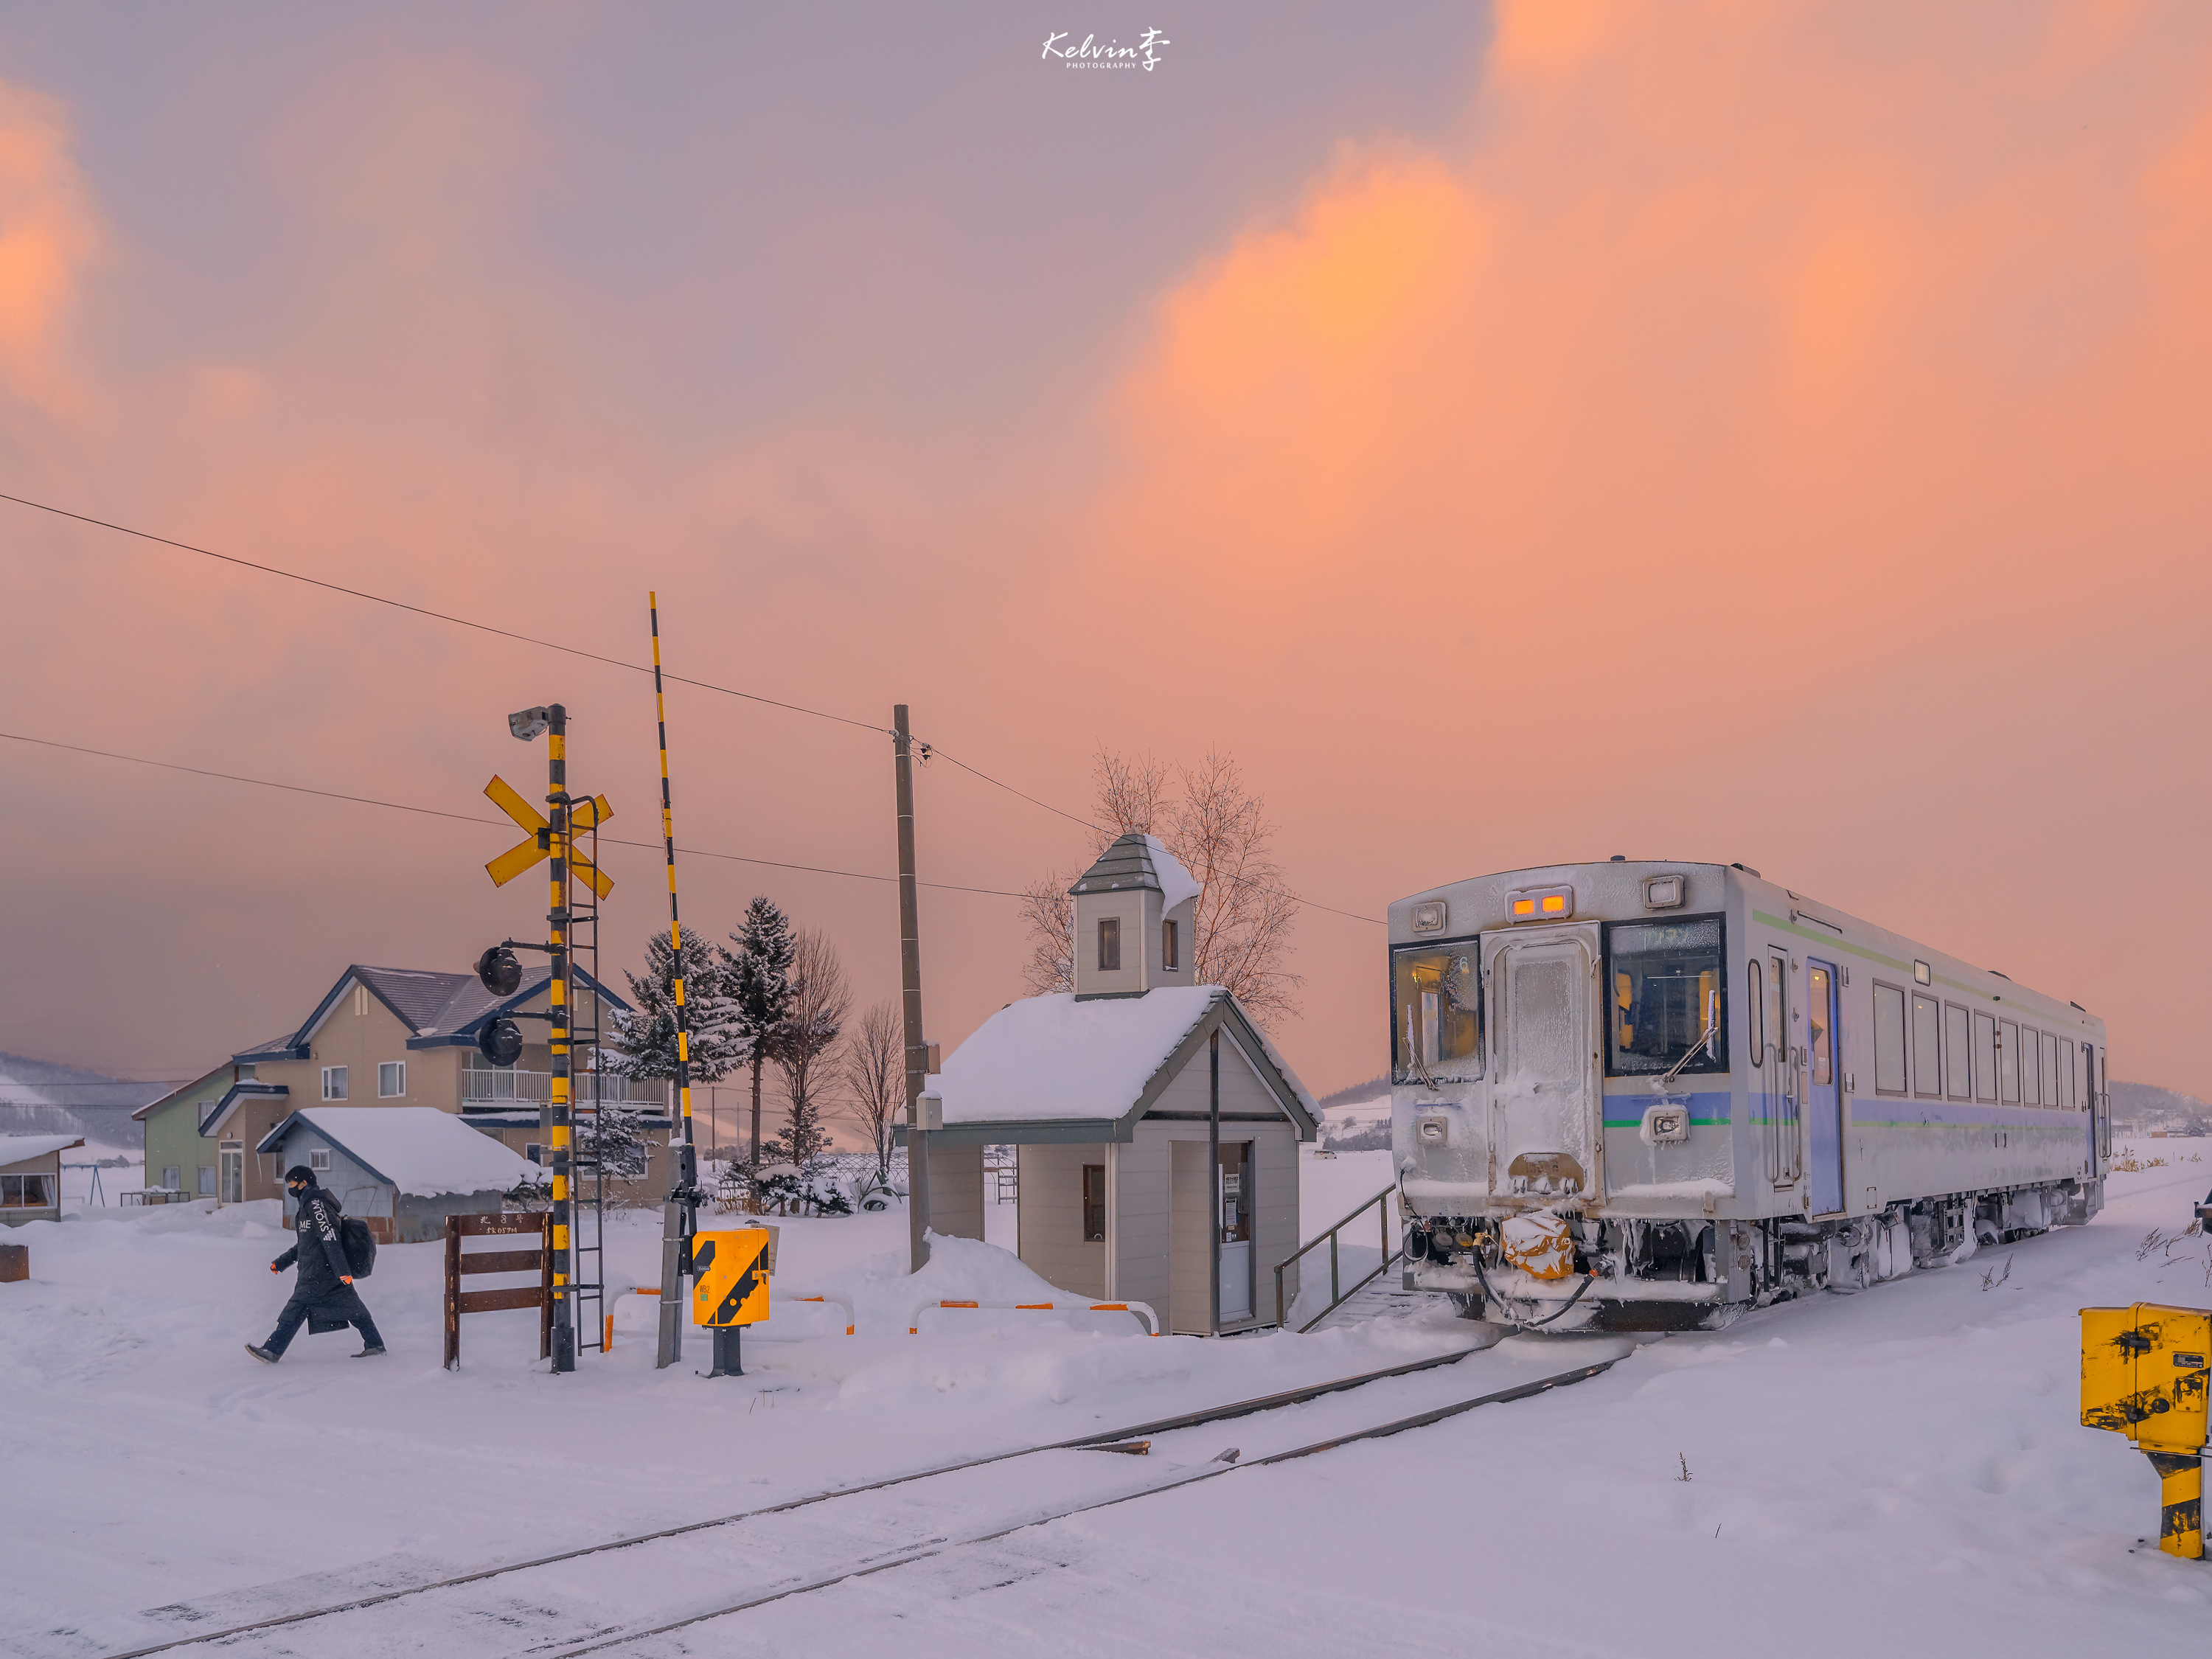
[2144, 1375]
[729, 1284]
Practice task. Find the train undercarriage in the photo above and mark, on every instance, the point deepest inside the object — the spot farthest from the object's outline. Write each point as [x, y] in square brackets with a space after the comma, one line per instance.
[1633, 1274]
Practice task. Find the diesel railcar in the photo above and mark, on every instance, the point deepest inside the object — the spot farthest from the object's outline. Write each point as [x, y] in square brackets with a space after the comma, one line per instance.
[1647, 1095]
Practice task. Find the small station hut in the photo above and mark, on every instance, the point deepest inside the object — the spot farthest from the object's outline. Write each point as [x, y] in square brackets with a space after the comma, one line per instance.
[1157, 1128]
[31, 1177]
[403, 1169]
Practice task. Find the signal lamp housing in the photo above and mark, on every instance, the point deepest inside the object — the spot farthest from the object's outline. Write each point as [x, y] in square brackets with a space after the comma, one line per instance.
[500, 1041]
[500, 971]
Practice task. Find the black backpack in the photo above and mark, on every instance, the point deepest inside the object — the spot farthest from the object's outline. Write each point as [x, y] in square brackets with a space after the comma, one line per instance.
[360, 1245]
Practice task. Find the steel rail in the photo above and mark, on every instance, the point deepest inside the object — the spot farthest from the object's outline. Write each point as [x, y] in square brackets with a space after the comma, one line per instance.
[1189, 1420]
[1219, 1466]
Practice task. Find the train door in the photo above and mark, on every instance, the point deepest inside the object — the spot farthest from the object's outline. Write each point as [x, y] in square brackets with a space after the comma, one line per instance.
[1773, 1068]
[1544, 1136]
[2104, 1113]
[1824, 1093]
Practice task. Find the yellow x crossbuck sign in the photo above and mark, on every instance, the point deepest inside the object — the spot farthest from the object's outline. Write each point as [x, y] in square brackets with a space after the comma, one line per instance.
[583, 815]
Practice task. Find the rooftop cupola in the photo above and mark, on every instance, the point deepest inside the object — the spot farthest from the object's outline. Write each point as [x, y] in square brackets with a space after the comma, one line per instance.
[1135, 913]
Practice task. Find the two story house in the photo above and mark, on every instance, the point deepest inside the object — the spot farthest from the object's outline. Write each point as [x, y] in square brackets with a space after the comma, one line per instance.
[385, 1036]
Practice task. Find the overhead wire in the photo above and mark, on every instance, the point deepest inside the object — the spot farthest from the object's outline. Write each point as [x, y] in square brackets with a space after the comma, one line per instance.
[590, 656]
[466, 818]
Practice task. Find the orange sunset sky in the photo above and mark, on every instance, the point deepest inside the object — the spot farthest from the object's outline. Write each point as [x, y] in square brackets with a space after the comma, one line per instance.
[1770, 433]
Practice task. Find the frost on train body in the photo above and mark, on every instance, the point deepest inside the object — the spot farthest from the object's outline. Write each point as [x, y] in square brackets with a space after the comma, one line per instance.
[1647, 1095]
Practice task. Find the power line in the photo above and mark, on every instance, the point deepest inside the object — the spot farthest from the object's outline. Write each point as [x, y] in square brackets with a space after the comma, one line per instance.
[464, 817]
[435, 616]
[590, 656]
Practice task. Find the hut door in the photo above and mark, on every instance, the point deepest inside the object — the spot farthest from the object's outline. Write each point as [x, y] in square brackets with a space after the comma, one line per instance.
[233, 1187]
[1235, 1223]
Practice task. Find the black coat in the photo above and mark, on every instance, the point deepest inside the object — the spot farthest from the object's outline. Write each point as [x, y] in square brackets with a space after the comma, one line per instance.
[320, 1252]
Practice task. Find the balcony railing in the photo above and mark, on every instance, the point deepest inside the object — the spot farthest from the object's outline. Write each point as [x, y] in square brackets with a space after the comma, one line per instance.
[486, 1087]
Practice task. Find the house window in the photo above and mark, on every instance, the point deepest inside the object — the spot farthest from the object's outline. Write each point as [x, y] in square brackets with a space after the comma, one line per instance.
[360, 1000]
[27, 1192]
[1170, 947]
[1109, 944]
[207, 1181]
[1094, 1203]
[334, 1083]
[171, 1180]
[391, 1080]
[319, 1160]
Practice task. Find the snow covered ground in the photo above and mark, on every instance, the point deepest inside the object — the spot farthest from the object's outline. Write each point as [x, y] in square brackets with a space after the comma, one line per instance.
[1899, 1467]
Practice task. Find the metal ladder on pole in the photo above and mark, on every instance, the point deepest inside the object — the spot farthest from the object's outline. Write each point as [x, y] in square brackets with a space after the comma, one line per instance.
[587, 1174]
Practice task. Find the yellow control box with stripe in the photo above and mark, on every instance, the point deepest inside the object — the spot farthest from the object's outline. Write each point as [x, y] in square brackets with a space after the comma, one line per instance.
[729, 1284]
[2144, 1373]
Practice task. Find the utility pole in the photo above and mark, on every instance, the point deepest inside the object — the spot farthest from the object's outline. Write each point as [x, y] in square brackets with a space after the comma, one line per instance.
[556, 801]
[917, 1051]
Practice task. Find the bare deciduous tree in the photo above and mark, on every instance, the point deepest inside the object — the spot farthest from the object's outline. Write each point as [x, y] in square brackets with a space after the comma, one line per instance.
[1209, 819]
[805, 1053]
[874, 1070]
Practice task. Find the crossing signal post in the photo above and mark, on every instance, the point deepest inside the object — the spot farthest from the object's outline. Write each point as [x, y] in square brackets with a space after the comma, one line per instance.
[2144, 1375]
[552, 838]
[680, 1213]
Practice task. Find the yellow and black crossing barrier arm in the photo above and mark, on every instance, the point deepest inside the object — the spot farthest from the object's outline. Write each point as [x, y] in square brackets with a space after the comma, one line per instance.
[680, 1213]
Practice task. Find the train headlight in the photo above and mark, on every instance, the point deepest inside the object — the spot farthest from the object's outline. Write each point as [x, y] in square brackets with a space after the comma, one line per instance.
[1663, 892]
[1429, 916]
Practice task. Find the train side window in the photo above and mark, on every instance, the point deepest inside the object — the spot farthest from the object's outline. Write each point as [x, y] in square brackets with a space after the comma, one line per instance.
[1755, 1028]
[1985, 1057]
[1927, 1046]
[1888, 1040]
[1957, 1058]
[2061, 1073]
[1773, 1004]
[2051, 1091]
[2007, 1062]
[2031, 1069]
[2080, 1100]
[1817, 1004]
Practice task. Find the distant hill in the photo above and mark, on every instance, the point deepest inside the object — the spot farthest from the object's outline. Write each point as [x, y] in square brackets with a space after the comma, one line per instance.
[1368, 1091]
[39, 1096]
[2145, 1106]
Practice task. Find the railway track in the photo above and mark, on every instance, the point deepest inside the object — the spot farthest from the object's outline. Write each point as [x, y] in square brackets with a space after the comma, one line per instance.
[854, 1541]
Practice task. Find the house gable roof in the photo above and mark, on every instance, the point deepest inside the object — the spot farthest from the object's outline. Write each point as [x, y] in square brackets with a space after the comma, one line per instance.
[179, 1092]
[1055, 1068]
[439, 1010]
[213, 1117]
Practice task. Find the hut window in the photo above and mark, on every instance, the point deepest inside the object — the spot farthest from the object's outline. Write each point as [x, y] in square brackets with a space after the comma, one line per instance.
[1094, 1203]
[319, 1160]
[392, 1079]
[29, 1192]
[1109, 944]
[334, 1083]
[1170, 947]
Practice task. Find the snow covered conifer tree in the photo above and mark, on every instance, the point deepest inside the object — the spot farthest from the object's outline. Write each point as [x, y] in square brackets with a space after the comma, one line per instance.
[758, 975]
[644, 1044]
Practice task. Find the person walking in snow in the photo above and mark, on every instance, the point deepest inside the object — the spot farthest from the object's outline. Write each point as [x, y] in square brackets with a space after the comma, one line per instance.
[325, 1297]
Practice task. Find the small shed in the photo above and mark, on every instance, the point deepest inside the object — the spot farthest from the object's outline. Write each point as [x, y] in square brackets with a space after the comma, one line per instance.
[1112, 1095]
[31, 1176]
[401, 1169]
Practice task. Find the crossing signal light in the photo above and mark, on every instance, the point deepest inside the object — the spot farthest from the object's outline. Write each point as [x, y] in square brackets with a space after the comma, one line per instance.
[500, 970]
[500, 1041]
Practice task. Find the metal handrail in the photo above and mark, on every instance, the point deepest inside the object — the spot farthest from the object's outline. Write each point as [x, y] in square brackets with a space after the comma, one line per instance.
[1337, 1294]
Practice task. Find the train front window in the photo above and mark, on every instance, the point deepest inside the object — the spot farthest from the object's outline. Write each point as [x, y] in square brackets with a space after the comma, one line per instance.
[1436, 993]
[1667, 1007]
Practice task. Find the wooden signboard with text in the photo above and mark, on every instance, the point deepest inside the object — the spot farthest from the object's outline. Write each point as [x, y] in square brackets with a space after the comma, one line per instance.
[537, 1260]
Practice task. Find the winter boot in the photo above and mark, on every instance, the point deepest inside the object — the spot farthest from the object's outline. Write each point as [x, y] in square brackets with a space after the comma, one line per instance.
[262, 1354]
[369, 1353]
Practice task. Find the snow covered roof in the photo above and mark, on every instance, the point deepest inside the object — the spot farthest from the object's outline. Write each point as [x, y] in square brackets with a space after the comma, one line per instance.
[20, 1149]
[421, 1151]
[1055, 1059]
[1140, 862]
